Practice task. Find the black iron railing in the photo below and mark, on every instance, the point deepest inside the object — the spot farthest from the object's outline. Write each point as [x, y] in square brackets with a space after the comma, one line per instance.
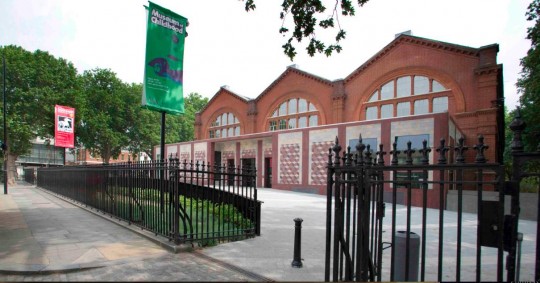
[438, 245]
[29, 175]
[185, 202]
[364, 245]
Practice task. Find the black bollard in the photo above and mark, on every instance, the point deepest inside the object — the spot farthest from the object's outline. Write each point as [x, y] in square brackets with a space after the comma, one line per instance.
[297, 260]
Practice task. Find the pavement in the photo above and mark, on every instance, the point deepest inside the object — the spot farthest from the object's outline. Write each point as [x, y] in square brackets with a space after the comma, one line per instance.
[47, 238]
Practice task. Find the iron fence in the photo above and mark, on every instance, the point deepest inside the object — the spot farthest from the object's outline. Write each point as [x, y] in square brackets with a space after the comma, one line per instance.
[29, 175]
[183, 201]
[364, 245]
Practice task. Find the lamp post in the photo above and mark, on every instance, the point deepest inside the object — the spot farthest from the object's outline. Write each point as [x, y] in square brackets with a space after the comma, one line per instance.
[4, 142]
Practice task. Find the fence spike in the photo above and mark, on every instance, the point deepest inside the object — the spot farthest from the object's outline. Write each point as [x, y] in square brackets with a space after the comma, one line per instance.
[360, 147]
[394, 153]
[480, 147]
[329, 157]
[460, 149]
[425, 153]
[347, 157]
[368, 155]
[409, 151]
[517, 126]
[381, 154]
[442, 149]
[337, 150]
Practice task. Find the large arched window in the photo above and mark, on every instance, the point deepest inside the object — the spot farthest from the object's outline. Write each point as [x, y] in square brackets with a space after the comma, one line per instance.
[225, 125]
[406, 95]
[294, 113]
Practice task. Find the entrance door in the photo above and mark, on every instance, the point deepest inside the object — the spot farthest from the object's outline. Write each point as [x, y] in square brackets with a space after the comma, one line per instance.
[268, 172]
[217, 163]
[248, 166]
[230, 170]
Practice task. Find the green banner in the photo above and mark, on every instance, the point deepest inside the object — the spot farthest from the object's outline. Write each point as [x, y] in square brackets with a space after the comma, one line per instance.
[163, 68]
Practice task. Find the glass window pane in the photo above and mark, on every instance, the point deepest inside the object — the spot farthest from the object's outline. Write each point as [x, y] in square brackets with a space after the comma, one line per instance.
[312, 107]
[302, 122]
[387, 91]
[440, 104]
[273, 125]
[404, 86]
[211, 134]
[217, 123]
[224, 119]
[302, 105]
[292, 123]
[275, 114]
[421, 85]
[403, 109]
[236, 120]
[437, 86]
[313, 120]
[231, 133]
[237, 131]
[387, 111]
[421, 107]
[282, 124]
[231, 118]
[374, 96]
[283, 109]
[292, 106]
[224, 133]
[218, 133]
[371, 113]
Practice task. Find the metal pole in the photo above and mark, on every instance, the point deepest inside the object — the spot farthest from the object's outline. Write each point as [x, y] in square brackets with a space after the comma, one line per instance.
[4, 147]
[297, 259]
[162, 149]
[162, 159]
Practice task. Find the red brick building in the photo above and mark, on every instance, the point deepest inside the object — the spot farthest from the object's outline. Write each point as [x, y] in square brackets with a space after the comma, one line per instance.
[413, 89]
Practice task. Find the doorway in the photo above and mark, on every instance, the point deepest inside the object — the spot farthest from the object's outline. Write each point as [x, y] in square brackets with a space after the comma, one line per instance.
[248, 164]
[268, 172]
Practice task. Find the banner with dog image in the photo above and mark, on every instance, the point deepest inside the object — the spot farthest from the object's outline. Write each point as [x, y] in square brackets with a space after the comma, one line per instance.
[64, 126]
[163, 68]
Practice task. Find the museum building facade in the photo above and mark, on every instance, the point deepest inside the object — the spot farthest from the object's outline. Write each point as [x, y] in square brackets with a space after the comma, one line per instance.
[414, 89]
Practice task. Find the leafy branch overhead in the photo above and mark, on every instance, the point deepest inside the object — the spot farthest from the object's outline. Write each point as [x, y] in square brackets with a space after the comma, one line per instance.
[309, 16]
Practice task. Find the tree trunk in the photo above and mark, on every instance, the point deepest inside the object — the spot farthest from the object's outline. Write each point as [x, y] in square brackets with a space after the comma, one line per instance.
[11, 168]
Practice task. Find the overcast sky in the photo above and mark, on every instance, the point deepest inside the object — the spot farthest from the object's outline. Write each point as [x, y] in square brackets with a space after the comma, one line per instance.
[228, 46]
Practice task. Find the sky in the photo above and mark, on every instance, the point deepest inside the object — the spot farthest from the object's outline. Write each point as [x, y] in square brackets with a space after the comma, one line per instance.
[227, 46]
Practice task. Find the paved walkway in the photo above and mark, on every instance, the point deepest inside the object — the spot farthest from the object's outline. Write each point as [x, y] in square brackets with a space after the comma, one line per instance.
[43, 237]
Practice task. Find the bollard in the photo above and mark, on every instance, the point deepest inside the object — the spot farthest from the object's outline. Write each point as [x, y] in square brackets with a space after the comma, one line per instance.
[400, 263]
[297, 260]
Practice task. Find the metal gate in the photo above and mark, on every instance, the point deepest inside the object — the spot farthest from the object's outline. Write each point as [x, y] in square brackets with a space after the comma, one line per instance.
[417, 239]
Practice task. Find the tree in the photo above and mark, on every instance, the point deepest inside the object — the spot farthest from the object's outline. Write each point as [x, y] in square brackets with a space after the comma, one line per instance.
[144, 132]
[184, 124]
[35, 82]
[529, 82]
[107, 113]
[306, 15]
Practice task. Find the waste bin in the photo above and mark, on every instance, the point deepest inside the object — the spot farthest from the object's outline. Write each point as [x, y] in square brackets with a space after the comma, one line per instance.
[400, 253]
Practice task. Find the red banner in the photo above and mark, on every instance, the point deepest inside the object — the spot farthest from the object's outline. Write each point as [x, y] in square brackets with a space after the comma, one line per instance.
[64, 126]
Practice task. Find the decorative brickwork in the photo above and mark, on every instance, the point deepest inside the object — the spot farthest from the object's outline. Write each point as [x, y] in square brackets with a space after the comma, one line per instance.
[289, 172]
[200, 156]
[319, 160]
[248, 153]
[185, 156]
[268, 151]
[225, 155]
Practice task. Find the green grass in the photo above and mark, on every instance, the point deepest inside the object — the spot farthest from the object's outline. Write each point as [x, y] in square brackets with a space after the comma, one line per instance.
[208, 220]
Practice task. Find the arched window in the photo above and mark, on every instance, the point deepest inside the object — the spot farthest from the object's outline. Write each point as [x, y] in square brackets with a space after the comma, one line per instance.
[225, 125]
[406, 95]
[294, 113]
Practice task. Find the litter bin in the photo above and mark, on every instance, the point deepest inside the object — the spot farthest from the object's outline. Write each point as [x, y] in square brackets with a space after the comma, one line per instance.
[399, 260]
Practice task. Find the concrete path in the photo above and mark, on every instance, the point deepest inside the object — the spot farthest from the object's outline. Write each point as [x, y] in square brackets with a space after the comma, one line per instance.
[44, 238]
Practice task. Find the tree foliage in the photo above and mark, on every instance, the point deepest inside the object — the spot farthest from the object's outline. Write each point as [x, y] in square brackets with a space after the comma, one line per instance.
[309, 16]
[529, 82]
[35, 83]
[107, 113]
